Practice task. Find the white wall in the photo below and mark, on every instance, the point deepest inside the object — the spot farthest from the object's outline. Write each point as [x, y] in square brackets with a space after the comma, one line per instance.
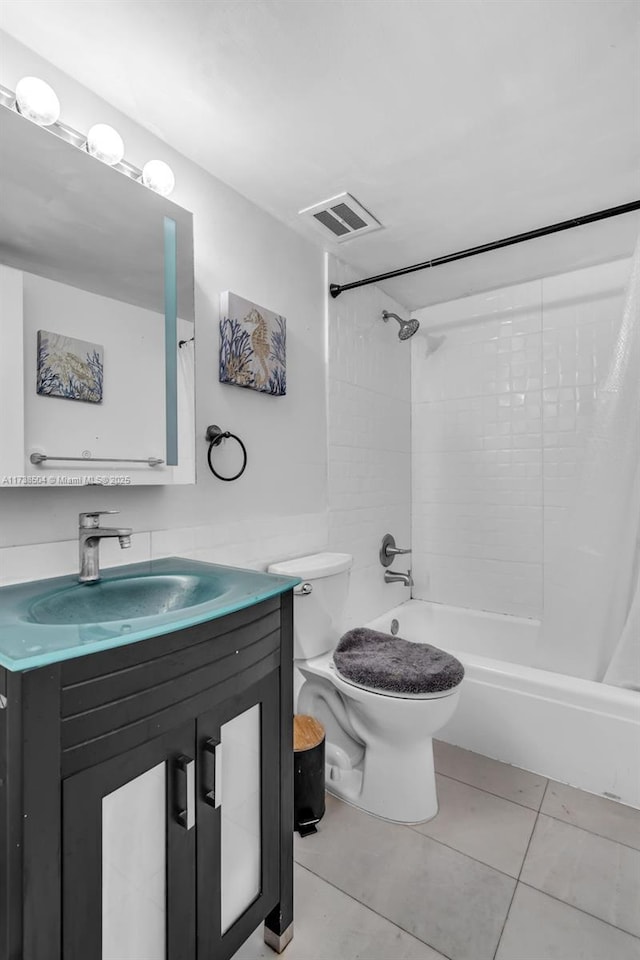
[369, 404]
[501, 410]
[278, 508]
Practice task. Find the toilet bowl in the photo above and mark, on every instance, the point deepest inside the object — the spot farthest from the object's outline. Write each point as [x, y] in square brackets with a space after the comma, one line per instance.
[379, 753]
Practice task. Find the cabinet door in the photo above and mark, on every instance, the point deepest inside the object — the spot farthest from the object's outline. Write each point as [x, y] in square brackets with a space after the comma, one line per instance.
[129, 854]
[238, 817]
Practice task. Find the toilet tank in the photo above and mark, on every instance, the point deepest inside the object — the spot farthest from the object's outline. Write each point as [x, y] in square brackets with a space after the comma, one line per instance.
[317, 615]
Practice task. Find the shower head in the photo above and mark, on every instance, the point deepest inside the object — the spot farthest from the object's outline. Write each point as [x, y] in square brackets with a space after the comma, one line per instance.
[407, 327]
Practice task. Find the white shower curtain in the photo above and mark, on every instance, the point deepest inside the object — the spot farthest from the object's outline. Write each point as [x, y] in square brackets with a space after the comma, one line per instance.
[591, 624]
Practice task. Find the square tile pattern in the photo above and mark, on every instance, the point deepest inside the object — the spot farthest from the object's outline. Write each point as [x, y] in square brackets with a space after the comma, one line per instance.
[369, 452]
[513, 867]
[504, 395]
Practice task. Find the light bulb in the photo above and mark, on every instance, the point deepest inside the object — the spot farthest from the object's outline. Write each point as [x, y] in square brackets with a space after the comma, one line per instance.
[105, 143]
[36, 101]
[158, 176]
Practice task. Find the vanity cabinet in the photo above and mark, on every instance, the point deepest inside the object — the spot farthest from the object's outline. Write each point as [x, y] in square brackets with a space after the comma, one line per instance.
[128, 883]
[146, 795]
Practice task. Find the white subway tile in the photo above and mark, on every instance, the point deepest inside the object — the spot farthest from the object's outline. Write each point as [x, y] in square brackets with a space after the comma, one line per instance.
[38, 561]
[369, 464]
[493, 476]
[253, 542]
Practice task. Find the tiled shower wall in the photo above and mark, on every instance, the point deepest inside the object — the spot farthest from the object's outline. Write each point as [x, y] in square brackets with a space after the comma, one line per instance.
[369, 450]
[503, 388]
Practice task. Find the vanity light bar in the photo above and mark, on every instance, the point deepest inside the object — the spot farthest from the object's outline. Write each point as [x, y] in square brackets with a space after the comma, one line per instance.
[41, 106]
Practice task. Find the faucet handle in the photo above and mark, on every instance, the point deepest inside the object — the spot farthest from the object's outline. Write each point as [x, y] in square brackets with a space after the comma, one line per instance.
[92, 518]
[388, 550]
[395, 551]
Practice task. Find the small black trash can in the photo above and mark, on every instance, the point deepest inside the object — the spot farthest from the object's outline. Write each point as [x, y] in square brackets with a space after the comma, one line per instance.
[308, 749]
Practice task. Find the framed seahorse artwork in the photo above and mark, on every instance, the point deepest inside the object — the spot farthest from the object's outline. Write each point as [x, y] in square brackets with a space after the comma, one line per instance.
[253, 346]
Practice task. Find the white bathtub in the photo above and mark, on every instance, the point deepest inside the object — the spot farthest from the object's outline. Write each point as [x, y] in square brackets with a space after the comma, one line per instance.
[579, 732]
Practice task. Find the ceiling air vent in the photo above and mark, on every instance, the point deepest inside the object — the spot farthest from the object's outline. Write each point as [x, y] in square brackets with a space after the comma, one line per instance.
[342, 217]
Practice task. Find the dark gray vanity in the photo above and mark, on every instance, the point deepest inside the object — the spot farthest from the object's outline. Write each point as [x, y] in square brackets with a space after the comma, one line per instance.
[126, 748]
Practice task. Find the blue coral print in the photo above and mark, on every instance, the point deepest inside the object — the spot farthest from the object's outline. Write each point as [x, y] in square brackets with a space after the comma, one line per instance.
[69, 368]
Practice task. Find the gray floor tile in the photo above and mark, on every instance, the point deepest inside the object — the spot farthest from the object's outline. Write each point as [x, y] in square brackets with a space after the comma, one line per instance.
[444, 898]
[329, 925]
[597, 814]
[541, 928]
[481, 825]
[589, 872]
[499, 778]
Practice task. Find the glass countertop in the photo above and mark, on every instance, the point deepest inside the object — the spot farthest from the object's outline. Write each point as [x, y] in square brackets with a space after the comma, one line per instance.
[46, 621]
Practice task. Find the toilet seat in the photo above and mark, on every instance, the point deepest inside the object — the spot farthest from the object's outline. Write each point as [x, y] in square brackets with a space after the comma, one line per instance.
[323, 666]
[391, 665]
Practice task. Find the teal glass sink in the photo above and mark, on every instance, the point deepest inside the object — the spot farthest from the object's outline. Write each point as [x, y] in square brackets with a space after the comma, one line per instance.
[45, 621]
[129, 598]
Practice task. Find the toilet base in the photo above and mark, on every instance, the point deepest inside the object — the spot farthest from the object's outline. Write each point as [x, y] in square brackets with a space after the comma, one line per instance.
[394, 785]
[379, 749]
[378, 816]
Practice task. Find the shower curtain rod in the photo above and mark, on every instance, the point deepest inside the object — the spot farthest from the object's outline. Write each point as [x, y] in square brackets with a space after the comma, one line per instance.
[335, 289]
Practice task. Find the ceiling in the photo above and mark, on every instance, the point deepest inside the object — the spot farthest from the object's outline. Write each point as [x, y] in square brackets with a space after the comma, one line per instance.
[454, 123]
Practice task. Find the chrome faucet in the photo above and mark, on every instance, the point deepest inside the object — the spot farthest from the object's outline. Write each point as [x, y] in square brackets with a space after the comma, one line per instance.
[388, 553]
[90, 534]
[394, 576]
[388, 550]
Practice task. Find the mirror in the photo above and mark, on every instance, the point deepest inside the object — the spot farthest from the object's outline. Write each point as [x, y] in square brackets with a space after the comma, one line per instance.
[96, 292]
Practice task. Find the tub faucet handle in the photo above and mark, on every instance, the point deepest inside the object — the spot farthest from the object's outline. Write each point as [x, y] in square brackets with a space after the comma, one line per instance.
[388, 550]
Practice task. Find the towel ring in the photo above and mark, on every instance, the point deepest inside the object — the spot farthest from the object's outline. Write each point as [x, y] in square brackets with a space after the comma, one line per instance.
[215, 436]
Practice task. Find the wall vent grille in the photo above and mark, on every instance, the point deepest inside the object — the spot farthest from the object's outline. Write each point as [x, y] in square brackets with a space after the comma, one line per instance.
[342, 217]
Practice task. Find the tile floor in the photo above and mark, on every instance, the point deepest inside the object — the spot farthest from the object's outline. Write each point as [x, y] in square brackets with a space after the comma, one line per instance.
[514, 867]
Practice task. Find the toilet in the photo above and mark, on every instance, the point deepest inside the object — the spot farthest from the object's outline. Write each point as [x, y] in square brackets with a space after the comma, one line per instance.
[379, 753]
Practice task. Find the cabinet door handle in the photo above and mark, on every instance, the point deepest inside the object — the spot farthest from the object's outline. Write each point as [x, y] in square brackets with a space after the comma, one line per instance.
[186, 791]
[212, 785]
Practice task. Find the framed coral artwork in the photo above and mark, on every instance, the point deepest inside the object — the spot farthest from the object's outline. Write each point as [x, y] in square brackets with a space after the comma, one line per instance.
[253, 346]
[69, 368]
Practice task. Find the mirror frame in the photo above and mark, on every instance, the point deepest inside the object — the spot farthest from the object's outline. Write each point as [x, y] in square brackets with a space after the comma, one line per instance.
[176, 225]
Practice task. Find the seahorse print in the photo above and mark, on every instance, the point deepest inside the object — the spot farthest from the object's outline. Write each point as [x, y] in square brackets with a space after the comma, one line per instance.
[253, 346]
[260, 345]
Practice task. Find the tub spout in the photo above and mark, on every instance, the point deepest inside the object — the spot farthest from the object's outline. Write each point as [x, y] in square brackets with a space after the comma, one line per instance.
[395, 576]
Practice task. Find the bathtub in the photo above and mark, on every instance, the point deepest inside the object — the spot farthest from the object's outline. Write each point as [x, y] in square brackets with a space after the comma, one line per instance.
[576, 731]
